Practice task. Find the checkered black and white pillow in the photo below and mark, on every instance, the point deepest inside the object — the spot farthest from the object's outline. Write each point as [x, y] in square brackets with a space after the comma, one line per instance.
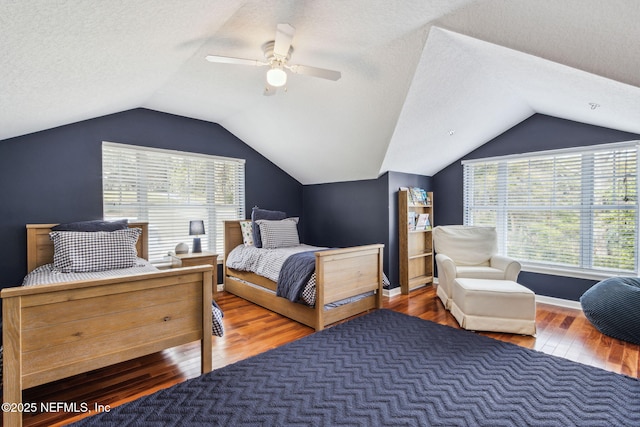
[79, 252]
[279, 234]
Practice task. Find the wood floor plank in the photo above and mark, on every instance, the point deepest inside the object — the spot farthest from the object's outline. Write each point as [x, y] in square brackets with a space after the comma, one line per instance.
[250, 330]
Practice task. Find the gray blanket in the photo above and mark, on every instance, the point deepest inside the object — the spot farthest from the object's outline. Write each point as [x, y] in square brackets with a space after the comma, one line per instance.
[294, 275]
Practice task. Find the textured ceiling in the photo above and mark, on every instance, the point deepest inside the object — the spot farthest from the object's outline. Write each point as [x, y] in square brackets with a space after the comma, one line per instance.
[423, 82]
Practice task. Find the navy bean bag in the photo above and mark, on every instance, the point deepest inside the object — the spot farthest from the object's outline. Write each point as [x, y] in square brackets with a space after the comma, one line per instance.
[613, 307]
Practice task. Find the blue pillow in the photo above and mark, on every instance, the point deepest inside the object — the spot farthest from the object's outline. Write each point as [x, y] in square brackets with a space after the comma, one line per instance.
[258, 214]
[94, 225]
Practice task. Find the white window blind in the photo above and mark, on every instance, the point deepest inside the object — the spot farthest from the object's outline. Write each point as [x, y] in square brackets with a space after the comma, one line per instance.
[168, 189]
[574, 209]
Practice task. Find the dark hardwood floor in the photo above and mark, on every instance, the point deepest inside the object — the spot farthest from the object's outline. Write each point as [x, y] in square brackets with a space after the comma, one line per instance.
[250, 330]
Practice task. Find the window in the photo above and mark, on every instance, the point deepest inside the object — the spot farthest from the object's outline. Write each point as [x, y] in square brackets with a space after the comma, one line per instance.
[573, 211]
[168, 189]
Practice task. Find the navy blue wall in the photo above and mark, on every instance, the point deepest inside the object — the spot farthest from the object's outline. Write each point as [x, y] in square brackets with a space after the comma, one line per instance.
[56, 175]
[359, 213]
[347, 214]
[538, 133]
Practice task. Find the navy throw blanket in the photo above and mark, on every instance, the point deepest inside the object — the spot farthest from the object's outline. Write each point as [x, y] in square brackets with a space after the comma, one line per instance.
[294, 275]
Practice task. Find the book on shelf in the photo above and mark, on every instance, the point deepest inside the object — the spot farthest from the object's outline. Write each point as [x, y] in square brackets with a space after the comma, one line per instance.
[411, 220]
[417, 196]
[422, 222]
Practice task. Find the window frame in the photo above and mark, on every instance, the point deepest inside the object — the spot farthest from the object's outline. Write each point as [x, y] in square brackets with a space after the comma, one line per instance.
[586, 208]
[172, 209]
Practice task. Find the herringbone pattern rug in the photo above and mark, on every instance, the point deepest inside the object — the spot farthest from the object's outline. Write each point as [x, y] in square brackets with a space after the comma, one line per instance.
[390, 369]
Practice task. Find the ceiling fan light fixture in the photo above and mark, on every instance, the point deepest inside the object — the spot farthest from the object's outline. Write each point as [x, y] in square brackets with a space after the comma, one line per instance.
[276, 56]
[276, 77]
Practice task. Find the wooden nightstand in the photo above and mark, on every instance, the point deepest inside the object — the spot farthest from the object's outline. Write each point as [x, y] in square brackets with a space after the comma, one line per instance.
[191, 259]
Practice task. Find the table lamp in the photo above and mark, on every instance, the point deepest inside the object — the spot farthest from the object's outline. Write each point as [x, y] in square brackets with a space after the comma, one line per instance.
[196, 228]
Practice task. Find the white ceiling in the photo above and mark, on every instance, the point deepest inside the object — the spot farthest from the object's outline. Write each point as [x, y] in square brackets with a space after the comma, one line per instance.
[423, 82]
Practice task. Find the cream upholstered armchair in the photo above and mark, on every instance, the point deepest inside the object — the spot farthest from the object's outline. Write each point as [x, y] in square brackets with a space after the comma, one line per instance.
[471, 252]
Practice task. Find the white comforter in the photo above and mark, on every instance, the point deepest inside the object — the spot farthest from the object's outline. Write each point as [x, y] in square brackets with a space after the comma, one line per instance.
[268, 262]
[44, 275]
[264, 262]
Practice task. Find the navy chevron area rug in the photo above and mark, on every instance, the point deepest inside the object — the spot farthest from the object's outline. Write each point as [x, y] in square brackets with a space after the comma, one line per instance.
[390, 369]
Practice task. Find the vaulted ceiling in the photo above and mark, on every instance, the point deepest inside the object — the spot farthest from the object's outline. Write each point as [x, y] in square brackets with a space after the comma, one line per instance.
[423, 81]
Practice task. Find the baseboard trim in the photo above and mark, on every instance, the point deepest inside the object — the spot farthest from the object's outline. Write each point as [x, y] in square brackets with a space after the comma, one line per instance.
[559, 302]
[398, 290]
[391, 292]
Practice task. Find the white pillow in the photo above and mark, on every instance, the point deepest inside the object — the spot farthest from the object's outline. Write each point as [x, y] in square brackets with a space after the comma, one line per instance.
[279, 234]
[247, 232]
[79, 252]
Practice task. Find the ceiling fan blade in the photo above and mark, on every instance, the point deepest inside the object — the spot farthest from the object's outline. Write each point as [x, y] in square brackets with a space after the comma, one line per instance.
[316, 72]
[230, 60]
[284, 37]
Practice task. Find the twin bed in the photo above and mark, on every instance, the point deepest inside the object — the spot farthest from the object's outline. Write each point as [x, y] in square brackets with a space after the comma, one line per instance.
[348, 281]
[54, 331]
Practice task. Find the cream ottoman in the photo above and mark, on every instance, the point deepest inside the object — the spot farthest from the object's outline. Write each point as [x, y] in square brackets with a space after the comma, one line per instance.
[494, 305]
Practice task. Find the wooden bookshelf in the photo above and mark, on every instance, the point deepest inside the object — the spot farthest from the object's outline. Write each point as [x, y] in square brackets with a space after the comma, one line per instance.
[416, 245]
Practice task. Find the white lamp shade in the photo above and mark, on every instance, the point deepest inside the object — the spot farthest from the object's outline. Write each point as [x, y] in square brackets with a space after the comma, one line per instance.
[276, 77]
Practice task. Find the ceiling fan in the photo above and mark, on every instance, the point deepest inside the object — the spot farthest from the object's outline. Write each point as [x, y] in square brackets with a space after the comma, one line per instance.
[277, 54]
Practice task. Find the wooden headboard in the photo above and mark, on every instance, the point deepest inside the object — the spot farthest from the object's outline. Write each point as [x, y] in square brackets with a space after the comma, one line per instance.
[232, 236]
[40, 246]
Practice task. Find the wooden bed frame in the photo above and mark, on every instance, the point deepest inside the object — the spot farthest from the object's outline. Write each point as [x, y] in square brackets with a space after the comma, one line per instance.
[56, 331]
[340, 273]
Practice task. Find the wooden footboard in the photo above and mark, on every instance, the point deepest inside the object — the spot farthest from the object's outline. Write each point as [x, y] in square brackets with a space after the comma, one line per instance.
[56, 331]
[340, 274]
